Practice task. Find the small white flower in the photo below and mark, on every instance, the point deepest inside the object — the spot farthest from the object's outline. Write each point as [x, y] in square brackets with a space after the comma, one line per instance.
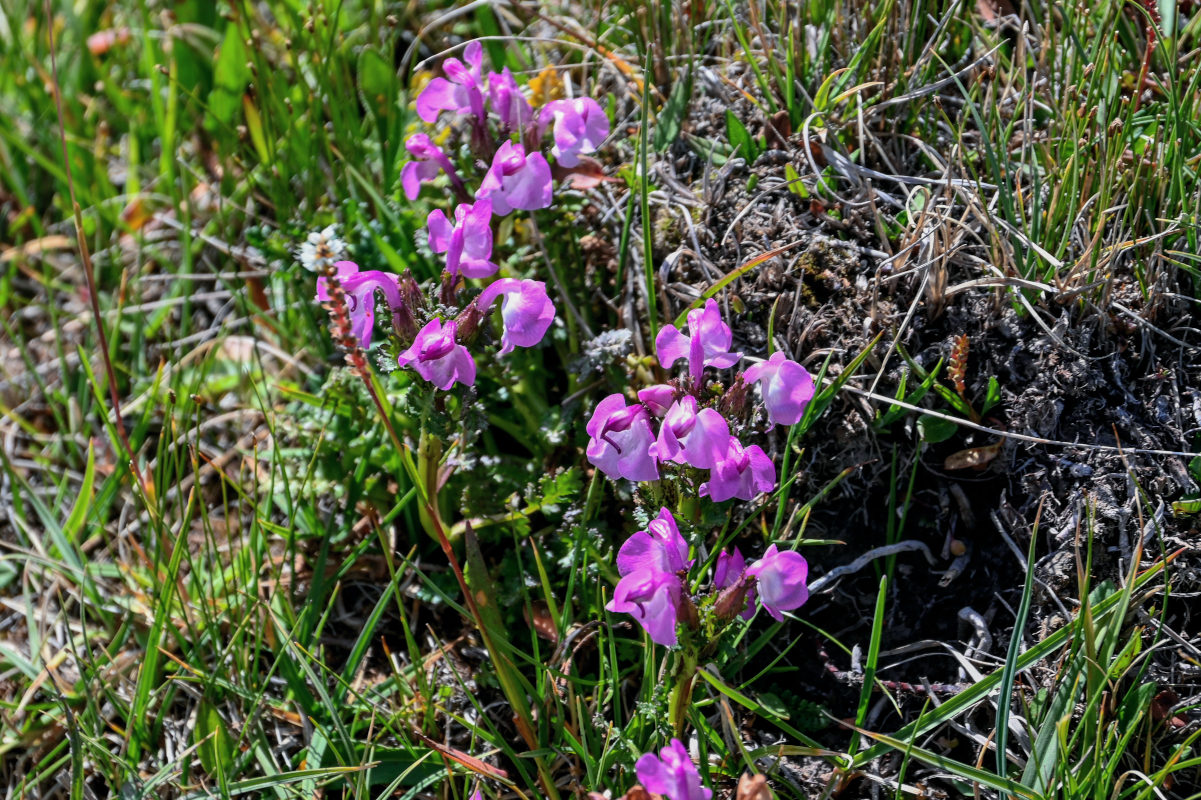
[321, 250]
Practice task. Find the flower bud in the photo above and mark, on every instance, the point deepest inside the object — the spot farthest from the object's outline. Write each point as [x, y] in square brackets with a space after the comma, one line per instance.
[469, 320]
[731, 602]
[450, 287]
[733, 403]
[404, 322]
[410, 292]
[686, 612]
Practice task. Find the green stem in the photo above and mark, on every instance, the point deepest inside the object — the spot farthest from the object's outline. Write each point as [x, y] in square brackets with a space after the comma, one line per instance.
[681, 693]
[689, 508]
[429, 459]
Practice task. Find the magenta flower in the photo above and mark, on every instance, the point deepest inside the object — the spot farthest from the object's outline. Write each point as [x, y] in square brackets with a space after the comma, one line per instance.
[707, 343]
[507, 100]
[741, 472]
[428, 160]
[579, 126]
[671, 774]
[786, 386]
[516, 180]
[621, 440]
[729, 570]
[658, 398]
[780, 578]
[459, 91]
[468, 242]
[360, 288]
[730, 565]
[699, 438]
[653, 600]
[659, 548]
[438, 358]
[526, 310]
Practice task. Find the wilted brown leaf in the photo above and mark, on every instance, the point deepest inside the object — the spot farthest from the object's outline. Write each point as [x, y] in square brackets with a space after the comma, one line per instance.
[753, 787]
[972, 457]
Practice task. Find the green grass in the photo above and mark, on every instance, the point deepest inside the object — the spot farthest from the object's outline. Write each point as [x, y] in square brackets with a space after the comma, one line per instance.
[265, 611]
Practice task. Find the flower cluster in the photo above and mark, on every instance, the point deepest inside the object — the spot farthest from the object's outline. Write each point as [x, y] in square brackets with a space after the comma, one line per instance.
[519, 175]
[693, 419]
[519, 178]
[654, 568]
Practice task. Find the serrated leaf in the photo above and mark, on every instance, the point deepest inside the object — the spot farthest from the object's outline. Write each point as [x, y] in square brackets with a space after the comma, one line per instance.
[558, 487]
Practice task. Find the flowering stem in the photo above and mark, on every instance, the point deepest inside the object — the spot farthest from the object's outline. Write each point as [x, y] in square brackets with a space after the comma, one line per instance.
[681, 693]
[432, 518]
[429, 458]
[340, 325]
[689, 508]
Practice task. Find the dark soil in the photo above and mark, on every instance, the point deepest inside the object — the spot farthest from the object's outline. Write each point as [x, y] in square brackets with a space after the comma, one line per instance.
[1077, 369]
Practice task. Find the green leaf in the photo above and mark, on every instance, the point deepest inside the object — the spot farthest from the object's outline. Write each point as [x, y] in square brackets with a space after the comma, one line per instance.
[377, 82]
[821, 100]
[214, 745]
[231, 76]
[992, 396]
[671, 118]
[79, 512]
[773, 704]
[954, 767]
[795, 184]
[1189, 505]
[935, 429]
[740, 138]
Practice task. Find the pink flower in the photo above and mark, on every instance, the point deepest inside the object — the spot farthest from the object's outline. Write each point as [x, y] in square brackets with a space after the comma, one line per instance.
[468, 242]
[360, 288]
[438, 358]
[658, 398]
[699, 438]
[728, 572]
[428, 160]
[742, 473]
[516, 180]
[780, 578]
[621, 439]
[653, 599]
[671, 774]
[526, 310]
[659, 548]
[786, 386]
[507, 100]
[707, 343]
[459, 91]
[579, 125]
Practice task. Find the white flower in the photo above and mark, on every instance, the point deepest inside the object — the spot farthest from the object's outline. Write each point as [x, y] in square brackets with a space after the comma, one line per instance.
[321, 250]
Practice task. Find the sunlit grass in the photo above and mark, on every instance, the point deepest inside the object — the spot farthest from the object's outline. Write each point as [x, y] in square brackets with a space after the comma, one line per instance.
[265, 615]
